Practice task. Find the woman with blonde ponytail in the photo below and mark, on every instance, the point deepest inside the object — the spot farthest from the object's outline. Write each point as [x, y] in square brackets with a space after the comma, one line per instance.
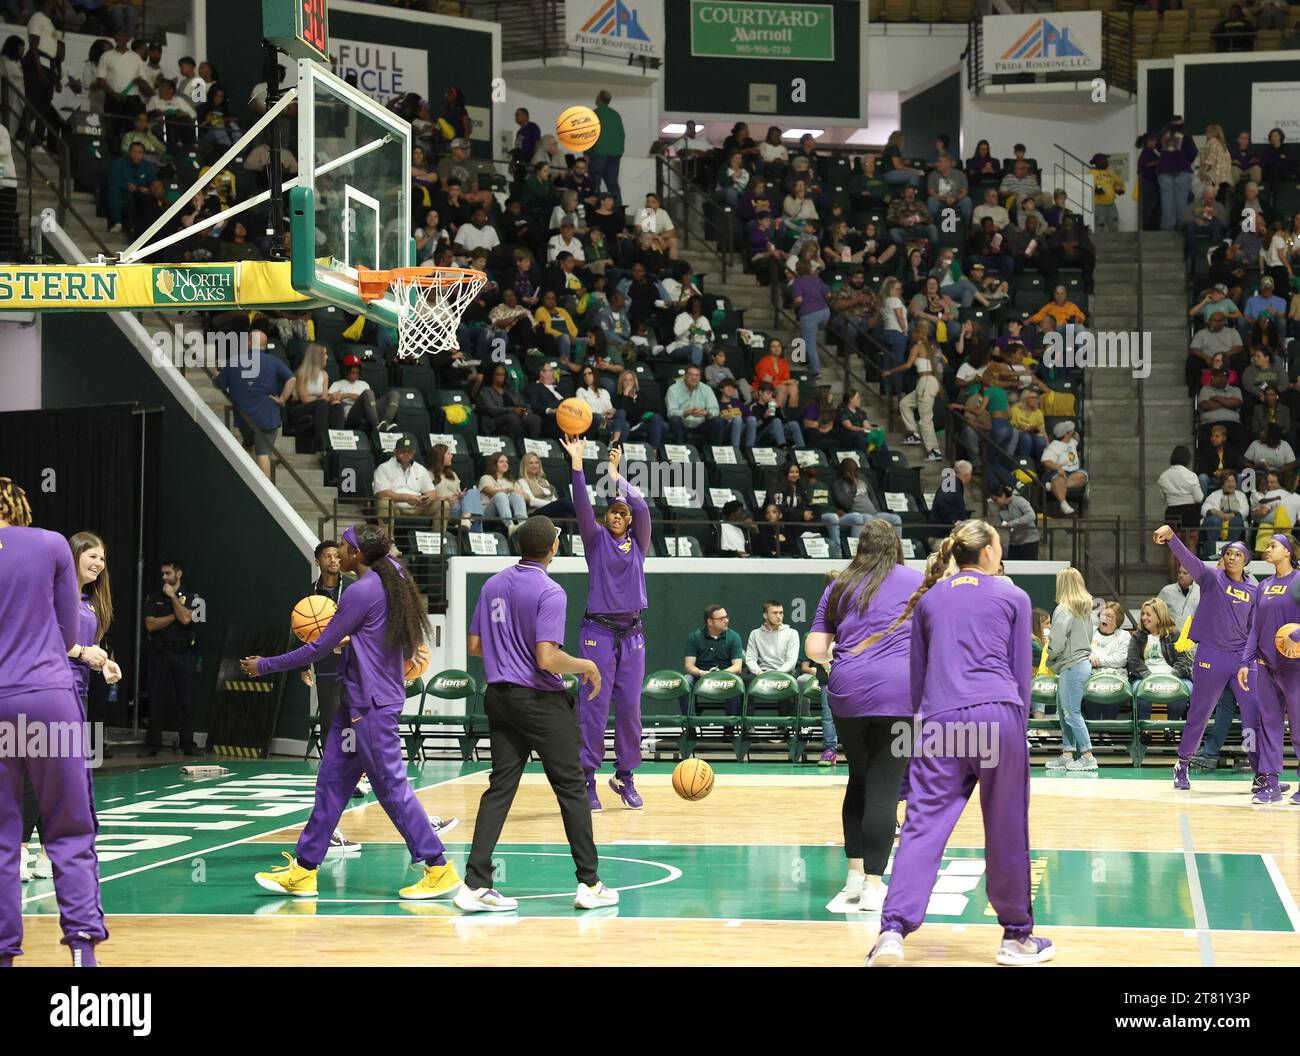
[870, 698]
[1069, 652]
[970, 671]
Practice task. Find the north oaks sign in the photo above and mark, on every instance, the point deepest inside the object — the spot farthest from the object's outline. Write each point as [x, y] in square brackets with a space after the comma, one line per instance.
[730, 29]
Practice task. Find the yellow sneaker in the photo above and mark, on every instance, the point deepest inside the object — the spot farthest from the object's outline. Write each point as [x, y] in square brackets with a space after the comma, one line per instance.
[291, 879]
[438, 880]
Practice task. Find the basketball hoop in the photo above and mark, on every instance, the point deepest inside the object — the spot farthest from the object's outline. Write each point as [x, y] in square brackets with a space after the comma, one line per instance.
[430, 302]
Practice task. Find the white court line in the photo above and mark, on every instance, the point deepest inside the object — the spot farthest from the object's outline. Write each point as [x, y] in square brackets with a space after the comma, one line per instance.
[114, 799]
[1198, 896]
[1283, 892]
[231, 843]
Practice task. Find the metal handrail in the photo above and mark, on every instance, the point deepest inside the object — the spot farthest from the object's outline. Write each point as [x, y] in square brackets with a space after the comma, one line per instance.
[683, 202]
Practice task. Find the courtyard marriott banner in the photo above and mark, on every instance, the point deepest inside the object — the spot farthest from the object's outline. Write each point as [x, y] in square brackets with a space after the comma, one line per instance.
[1047, 43]
[736, 29]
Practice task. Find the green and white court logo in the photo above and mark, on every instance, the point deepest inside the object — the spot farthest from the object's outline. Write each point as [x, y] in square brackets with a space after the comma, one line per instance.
[194, 285]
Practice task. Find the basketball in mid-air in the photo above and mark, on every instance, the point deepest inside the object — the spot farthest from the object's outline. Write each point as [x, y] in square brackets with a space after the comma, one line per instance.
[578, 128]
[418, 664]
[311, 616]
[693, 779]
[1282, 640]
[573, 416]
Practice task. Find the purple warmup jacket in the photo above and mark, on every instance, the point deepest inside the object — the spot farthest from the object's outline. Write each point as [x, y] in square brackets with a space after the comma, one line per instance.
[516, 609]
[875, 681]
[1222, 619]
[972, 638]
[615, 567]
[1272, 608]
[370, 672]
[38, 610]
[87, 626]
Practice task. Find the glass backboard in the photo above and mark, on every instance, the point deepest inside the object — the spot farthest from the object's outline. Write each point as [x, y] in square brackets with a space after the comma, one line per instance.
[355, 158]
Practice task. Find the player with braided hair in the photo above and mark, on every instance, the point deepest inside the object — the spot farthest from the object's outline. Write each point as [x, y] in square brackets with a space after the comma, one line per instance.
[385, 620]
[971, 670]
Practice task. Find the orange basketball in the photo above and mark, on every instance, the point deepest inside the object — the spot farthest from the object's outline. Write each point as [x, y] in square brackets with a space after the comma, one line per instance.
[693, 779]
[573, 416]
[311, 616]
[418, 664]
[1282, 640]
[578, 128]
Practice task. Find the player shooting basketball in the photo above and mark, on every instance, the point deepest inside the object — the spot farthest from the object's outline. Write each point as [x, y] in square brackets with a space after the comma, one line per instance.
[611, 628]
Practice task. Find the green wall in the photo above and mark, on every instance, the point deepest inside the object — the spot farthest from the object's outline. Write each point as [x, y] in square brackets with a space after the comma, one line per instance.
[677, 600]
[931, 112]
[236, 557]
[1159, 100]
[1220, 92]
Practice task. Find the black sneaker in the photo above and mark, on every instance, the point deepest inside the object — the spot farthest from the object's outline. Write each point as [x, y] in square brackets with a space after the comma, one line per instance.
[1204, 762]
[913, 439]
[934, 456]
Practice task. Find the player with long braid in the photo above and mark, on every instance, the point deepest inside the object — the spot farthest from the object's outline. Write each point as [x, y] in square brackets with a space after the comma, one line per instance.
[1219, 630]
[971, 669]
[385, 620]
[611, 632]
[1269, 677]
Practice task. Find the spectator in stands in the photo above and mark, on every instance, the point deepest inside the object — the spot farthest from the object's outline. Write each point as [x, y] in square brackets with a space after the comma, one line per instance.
[1224, 514]
[1270, 452]
[774, 369]
[606, 423]
[855, 311]
[544, 397]
[732, 180]
[218, 128]
[925, 362]
[893, 315]
[1251, 203]
[759, 197]
[1214, 166]
[259, 388]
[774, 154]
[1181, 597]
[1264, 370]
[718, 371]
[538, 493]
[1110, 645]
[786, 491]
[455, 120]
[1060, 308]
[983, 165]
[430, 238]
[1276, 258]
[1030, 426]
[556, 331]
[612, 329]
[1062, 470]
[934, 306]
[714, 647]
[1245, 161]
[1018, 184]
[644, 423]
[1215, 302]
[537, 195]
[988, 248]
[897, 171]
[656, 227]
[1220, 402]
[1234, 31]
[1206, 217]
[693, 334]
[129, 178]
[503, 499]
[1152, 651]
[309, 408]
[1265, 302]
[854, 428]
[606, 154]
[909, 220]
[578, 180]
[854, 506]
[797, 209]
[693, 409]
[1274, 160]
[1269, 411]
[1069, 247]
[808, 295]
[949, 507]
[991, 208]
[759, 248]
[771, 427]
[402, 484]
[236, 245]
[736, 530]
[1012, 511]
[513, 321]
[946, 187]
[773, 645]
[1177, 152]
[911, 271]
[741, 140]
[353, 404]
[526, 140]
[42, 65]
[1183, 498]
[1107, 187]
[1217, 460]
[477, 234]
[770, 536]
[152, 206]
[867, 189]
[503, 410]
[1069, 649]
[189, 85]
[1277, 508]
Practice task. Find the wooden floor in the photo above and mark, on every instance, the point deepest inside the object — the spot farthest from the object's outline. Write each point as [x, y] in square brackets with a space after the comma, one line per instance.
[1126, 864]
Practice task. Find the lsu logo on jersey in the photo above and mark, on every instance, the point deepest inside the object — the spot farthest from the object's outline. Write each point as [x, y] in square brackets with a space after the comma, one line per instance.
[1276, 590]
[1237, 594]
[589, 641]
[1202, 663]
[625, 547]
[962, 581]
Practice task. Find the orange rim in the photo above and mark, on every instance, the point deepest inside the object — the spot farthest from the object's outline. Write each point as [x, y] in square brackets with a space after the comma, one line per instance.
[373, 285]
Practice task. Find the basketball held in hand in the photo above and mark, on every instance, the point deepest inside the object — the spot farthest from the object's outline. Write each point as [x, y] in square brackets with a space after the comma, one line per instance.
[1282, 640]
[311, 616]
[573, 416]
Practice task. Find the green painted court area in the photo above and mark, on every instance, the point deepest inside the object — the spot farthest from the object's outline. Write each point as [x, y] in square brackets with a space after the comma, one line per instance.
[172, 846]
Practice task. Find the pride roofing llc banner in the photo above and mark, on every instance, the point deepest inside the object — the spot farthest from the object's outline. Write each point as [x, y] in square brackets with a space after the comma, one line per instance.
[1048, 43]
[616, 27]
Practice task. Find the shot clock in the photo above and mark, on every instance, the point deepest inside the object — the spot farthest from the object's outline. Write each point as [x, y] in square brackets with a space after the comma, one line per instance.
[299, 28]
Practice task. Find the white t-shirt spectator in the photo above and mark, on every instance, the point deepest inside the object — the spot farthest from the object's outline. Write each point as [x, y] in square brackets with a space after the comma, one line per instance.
[1271, 457]
[889, 314]
[175, 105]
[350, 390]
[1288, 500]
[558, 245]
[40, 26]
[1219, 414]
[770, 153]
[472, 238]
[691, 331]
[1064, 453]
[598, 400]
[655, 221]
[412, 480]
[1217, 502]
[120, 68]
[8, 175]
[732, 539]
[1181, 486]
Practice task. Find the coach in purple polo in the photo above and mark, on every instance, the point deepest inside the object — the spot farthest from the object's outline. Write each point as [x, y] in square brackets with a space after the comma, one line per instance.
[518, 628]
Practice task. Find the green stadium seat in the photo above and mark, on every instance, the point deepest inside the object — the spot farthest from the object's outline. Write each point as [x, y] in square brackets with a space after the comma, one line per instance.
[661, 695]
[412, 716]
[710, 697]
[771, 703]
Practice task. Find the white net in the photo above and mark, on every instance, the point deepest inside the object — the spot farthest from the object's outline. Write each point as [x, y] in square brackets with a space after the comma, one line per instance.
[429, 313]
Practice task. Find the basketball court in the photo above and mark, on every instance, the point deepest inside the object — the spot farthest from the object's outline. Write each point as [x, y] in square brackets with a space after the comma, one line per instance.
[1125, 871]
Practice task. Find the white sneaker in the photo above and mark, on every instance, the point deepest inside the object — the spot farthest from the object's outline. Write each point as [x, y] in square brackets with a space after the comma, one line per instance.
[484, 900]
[1086, 762]
[1061, 762]
[934, 456]
[887, 952]
[872, 899]
[44, 868]
[24, 866]
[1033, 950]
[595, 897]
[441, 825]
[340, 845]
[1067, 509]
[362, 790]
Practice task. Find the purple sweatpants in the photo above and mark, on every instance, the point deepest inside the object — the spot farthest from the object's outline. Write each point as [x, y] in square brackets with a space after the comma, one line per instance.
[1278, 699]
[622, 670]
[62, 782]
[941, 785]
[1211, 671]
[366, 741]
